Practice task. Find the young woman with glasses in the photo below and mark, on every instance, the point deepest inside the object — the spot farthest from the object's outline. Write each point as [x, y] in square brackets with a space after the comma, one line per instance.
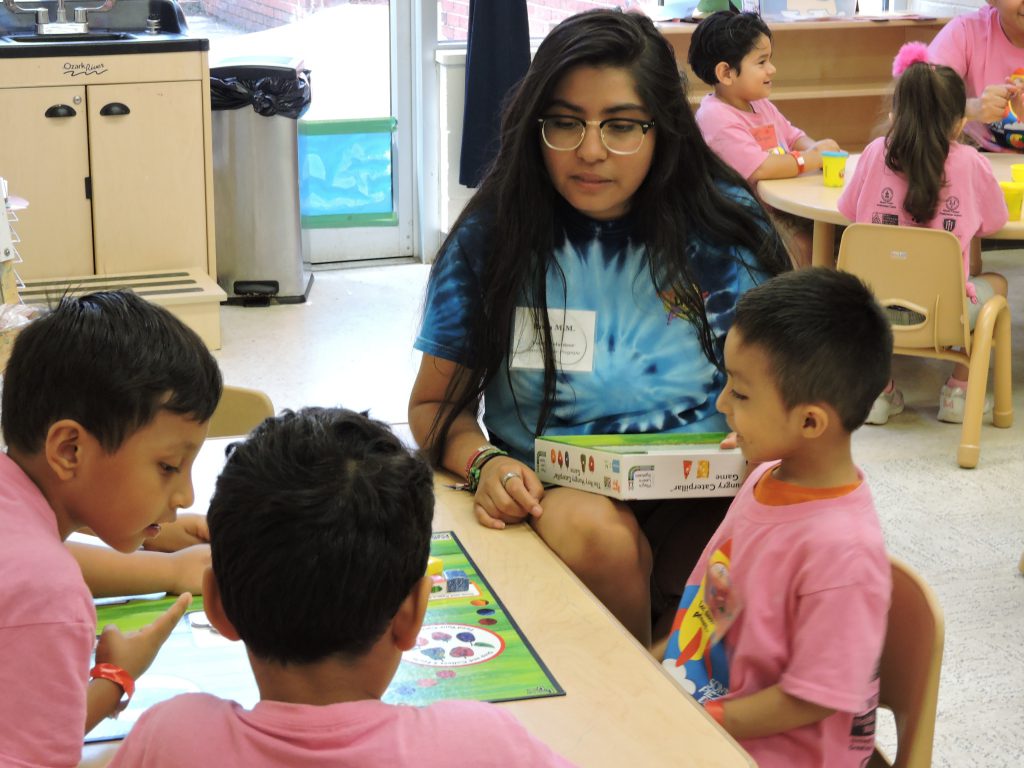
[587, 288]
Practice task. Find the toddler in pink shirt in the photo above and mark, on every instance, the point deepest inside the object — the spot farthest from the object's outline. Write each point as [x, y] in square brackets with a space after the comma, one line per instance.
[106, 402]
[320, 529]
[732, 52]
[917, 175]
[781, 624]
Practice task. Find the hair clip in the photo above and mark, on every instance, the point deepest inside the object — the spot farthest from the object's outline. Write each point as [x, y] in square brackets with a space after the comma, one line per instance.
[910, 53]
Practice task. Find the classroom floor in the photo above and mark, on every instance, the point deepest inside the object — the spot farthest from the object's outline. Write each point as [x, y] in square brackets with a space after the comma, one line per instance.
[351, 345]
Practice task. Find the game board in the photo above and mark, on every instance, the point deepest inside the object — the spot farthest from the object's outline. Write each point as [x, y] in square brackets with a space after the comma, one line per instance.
[469, 648]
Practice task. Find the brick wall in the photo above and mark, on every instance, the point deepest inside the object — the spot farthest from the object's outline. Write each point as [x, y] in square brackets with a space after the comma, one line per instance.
[453, 21]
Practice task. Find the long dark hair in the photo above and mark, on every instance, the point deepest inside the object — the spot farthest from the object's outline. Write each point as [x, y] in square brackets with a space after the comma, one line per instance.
[927, 104]
[681, 196]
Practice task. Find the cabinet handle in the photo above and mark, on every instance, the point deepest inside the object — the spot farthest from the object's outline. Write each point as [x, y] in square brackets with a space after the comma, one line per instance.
[115, 108]
[60, 110]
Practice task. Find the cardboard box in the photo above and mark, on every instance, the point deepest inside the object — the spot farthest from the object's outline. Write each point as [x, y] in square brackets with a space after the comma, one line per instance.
[652, 466]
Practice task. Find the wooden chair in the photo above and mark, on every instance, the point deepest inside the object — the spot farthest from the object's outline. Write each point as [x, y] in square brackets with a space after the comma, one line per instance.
[922, 270]
[909, 668]
[239, 411]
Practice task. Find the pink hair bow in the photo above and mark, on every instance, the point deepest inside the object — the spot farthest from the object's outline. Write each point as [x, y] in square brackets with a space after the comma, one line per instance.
[910, 53]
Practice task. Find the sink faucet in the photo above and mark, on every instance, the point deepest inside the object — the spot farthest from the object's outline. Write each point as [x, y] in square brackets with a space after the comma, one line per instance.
[60, 26]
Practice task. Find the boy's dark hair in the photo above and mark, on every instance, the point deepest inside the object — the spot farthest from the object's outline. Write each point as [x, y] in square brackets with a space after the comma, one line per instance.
[109, 360]
[825, 336]
[724, 36]
[927, 103]
[319, 529]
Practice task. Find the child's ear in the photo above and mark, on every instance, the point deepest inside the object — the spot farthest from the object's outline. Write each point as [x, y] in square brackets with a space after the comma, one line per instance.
[814, 421]
[63, 448]
[724, 73]
[405, 627]
[214, 608]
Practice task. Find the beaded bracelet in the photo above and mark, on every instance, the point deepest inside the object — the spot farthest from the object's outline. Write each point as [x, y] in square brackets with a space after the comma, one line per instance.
[476, 455]
[473, 475]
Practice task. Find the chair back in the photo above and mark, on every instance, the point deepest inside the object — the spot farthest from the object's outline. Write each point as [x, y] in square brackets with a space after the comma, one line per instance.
[239, 411]
[910, 665]
[916, 268]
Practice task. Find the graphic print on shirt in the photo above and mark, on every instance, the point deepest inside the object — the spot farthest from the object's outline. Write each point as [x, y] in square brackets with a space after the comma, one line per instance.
[695, 655]
[767, 139]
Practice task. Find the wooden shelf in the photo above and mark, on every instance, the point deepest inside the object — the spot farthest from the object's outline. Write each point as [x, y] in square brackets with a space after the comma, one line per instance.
[833, 77]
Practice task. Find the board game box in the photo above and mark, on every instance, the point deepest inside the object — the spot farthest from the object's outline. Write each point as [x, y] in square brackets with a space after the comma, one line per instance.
[651, 466]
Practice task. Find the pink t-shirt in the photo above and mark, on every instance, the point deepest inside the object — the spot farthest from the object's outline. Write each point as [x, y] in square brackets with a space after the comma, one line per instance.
[199, 729]
[745, 139]
[970, 205]
[801, 597]
[47, 631]
[974, 45]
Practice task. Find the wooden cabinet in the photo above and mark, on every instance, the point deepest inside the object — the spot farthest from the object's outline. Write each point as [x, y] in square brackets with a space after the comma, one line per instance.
[116, 163]
[833, 76]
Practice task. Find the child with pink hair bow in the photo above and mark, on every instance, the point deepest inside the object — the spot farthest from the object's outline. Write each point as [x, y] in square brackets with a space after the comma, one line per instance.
[918, 175]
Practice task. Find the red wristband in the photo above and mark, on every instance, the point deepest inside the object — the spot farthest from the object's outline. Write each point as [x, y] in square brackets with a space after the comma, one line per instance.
[801, 164]
[114, 674]
[716, 710]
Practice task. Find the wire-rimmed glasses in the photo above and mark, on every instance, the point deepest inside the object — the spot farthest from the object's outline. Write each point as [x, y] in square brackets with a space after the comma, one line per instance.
[620, 135]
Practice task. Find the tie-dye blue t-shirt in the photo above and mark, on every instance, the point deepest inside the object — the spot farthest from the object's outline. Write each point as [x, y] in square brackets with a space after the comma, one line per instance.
[630, 363]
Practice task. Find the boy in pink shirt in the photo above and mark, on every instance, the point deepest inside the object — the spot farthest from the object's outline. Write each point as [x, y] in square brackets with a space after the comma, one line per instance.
[781, 624]
[320, 531]
[986, 48]
[105, 404]
[732, 52]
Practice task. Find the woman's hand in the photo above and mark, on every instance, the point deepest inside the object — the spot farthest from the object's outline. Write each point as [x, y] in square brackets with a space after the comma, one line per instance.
[508, 492]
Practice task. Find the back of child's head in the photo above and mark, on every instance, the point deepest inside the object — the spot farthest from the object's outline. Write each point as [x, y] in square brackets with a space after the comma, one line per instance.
[724, 36]
[110, 361]
[319, 529]
[928, 103]
[826, 338]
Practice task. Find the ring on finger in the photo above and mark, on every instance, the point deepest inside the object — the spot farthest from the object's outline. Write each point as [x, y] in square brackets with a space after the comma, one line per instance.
[508, 476]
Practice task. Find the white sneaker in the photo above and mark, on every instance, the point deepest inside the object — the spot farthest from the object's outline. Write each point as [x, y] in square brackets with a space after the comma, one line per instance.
[886, 404]
[952, 401]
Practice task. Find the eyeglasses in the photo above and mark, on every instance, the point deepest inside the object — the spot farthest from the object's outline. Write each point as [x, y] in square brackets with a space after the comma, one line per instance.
[620, 135]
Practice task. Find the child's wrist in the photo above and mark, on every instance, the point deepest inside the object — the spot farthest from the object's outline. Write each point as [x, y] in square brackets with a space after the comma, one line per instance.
[716, 709]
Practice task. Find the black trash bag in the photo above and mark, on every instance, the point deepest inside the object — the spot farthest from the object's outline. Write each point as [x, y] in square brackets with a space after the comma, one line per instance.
[287, 95]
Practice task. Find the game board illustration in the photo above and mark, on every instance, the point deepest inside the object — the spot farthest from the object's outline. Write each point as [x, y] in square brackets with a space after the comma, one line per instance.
[468, 648]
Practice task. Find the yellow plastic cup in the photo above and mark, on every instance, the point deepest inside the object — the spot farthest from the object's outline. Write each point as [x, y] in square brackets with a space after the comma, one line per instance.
[833, 168]
[1013, 191]
[1017, 171]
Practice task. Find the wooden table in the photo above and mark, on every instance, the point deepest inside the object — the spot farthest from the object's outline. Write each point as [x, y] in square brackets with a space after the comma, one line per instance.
[619, 707]
[807, 196]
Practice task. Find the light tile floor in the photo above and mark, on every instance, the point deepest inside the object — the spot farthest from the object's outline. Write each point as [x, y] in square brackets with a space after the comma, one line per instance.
[351, 344]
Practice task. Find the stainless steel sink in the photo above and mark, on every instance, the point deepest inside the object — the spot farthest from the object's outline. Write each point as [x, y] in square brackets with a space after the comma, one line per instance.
[84, 37]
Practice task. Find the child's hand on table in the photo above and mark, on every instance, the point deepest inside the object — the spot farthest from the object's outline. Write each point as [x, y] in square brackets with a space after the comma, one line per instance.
[187, 530]
[508, 492]
[134, 652]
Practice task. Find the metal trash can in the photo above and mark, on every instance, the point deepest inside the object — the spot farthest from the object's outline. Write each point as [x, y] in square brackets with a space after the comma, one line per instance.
[256, 103]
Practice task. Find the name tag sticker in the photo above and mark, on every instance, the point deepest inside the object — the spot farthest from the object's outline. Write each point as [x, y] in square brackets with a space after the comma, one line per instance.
[572, 336]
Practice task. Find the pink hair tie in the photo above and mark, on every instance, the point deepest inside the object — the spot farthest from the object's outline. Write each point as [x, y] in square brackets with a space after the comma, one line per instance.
[910, 53]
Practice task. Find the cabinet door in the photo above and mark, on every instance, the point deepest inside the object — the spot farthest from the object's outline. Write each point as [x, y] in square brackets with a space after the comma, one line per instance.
[45, 159]
[148, 185]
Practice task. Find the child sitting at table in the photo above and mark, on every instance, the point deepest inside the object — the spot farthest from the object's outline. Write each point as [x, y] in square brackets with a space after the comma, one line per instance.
[917, 175]
[732, 52]
[986, 48]
[105, 405]
[320, 528]
[787, 606]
